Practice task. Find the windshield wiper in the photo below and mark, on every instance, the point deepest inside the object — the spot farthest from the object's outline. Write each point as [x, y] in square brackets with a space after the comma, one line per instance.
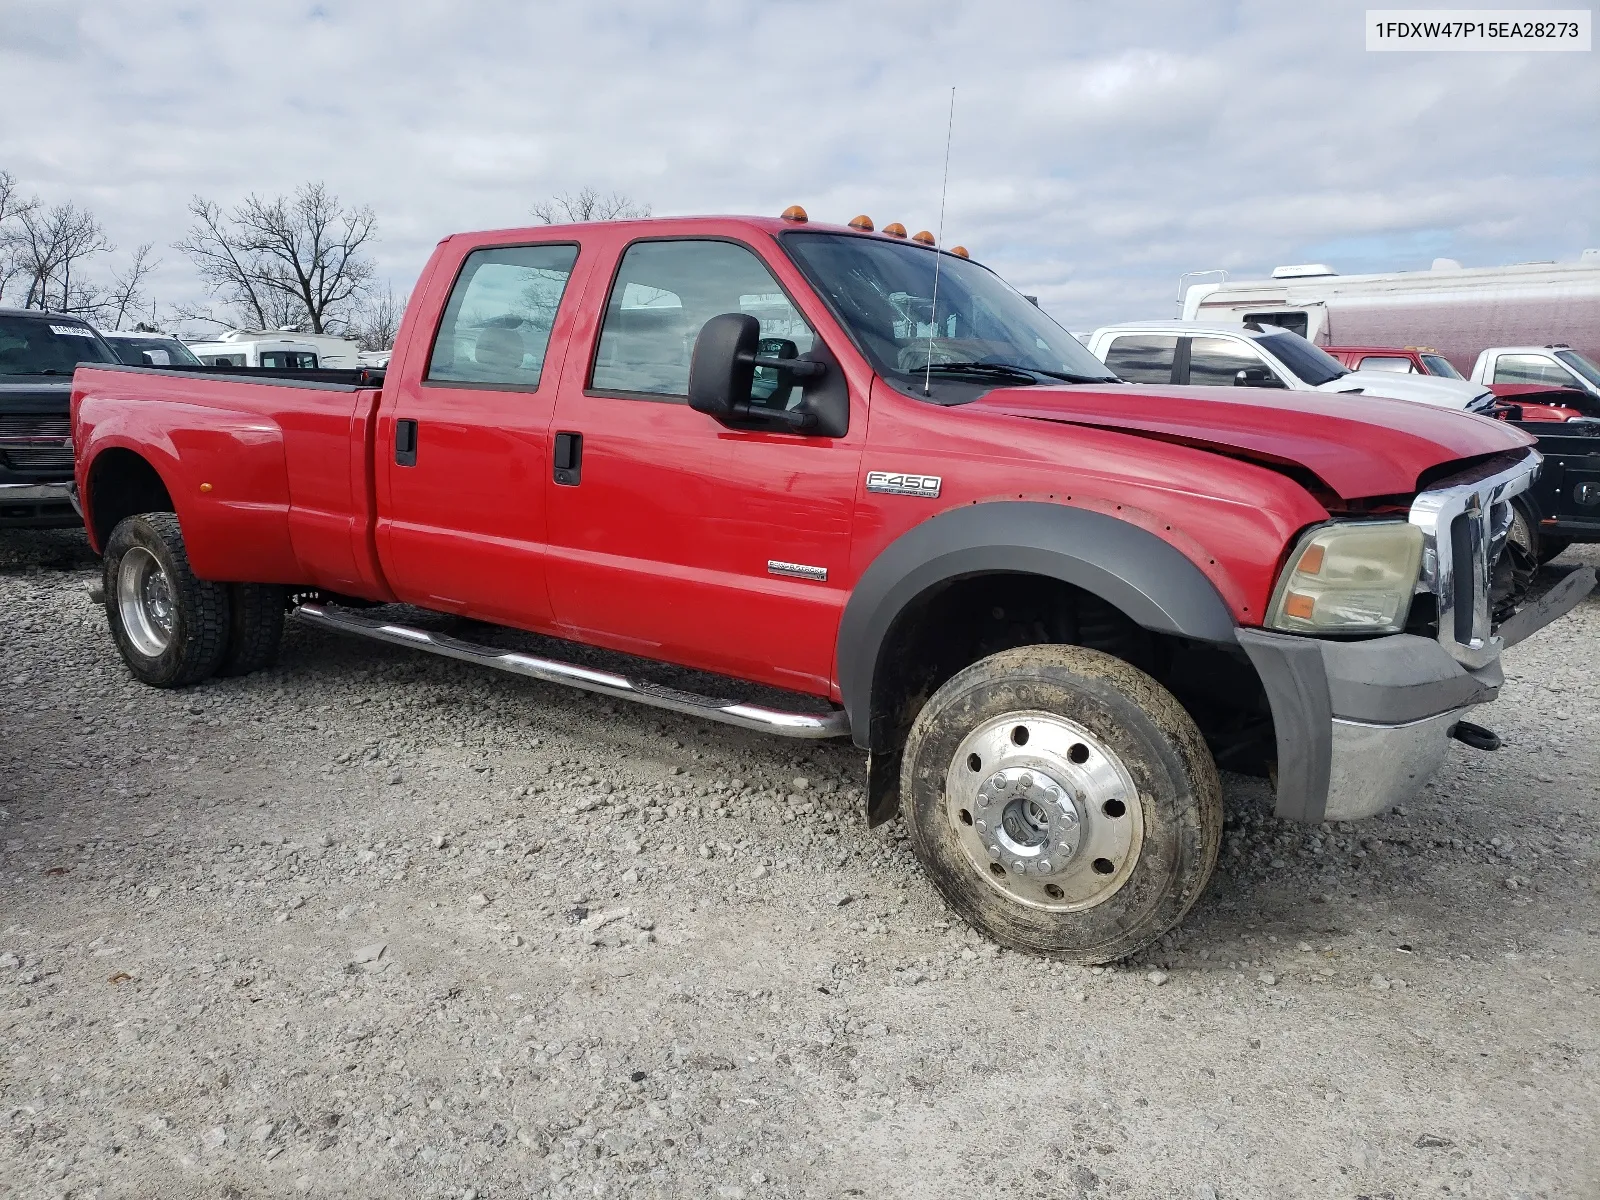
[1004, 370]
[1014, 371]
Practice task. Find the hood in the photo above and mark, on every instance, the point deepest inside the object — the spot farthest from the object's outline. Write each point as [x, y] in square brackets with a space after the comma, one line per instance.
[35, 393]
[1360, 446]
[1423, 389]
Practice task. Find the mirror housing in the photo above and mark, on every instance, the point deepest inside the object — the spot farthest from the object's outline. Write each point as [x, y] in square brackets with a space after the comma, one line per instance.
[722, 373]
[1258, 377]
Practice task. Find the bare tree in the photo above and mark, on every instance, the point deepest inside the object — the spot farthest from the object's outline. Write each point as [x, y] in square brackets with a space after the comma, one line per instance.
[377, 320]
[586, 204]
[53, 244]
[12, 209]
[127, 287]
[291, 260]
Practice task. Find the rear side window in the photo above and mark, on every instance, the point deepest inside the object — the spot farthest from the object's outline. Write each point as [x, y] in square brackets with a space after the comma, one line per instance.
[1384, 362]
[1214, 362]
[665, 292]
[1142, 358]
[1531, 368]
[1294, 322]
[293, 360]
[496, 324]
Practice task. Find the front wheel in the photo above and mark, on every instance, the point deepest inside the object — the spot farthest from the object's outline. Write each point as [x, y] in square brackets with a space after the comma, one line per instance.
[1063, 802]
[171, 627]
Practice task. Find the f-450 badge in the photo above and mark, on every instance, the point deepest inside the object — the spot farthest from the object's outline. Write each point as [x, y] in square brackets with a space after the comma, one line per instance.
[898, 483]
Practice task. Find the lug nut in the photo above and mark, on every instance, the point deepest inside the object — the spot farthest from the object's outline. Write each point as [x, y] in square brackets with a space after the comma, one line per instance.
[1024, 781]
[983, 827]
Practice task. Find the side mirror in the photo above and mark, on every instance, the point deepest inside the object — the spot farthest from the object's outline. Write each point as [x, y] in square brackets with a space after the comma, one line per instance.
[1258, 377]
[723, 368]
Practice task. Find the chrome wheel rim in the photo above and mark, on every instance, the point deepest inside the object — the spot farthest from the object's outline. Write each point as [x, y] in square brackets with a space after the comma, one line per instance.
[144, 602]
[1045, 812]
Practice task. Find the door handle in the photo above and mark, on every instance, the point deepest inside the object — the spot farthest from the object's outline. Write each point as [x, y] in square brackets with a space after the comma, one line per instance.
[568, 458]
[405, 443]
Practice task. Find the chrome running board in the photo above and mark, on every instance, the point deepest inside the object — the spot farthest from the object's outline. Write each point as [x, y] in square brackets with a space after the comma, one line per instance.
[548, 670]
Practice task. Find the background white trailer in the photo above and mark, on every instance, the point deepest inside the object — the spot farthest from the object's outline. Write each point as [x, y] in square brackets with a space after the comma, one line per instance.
[1459, 311]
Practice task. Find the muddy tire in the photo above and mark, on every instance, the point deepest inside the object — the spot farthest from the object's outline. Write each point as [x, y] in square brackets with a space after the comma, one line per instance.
[1062, 802]
[171, 627]
[255, 627]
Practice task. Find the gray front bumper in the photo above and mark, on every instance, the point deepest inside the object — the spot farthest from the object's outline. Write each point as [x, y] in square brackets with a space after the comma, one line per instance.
[1360, 725]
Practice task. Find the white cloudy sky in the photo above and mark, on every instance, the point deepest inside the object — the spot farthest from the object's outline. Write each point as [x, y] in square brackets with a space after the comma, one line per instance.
[1099, 149]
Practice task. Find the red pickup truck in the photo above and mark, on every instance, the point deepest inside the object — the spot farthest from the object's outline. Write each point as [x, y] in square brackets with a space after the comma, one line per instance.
[863, 488]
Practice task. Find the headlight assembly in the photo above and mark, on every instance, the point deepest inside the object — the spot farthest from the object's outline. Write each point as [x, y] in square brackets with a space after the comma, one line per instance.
[1349, 577]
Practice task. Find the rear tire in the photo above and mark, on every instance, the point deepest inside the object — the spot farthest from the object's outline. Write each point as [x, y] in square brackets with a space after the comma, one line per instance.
[1063, 802]
[171, 628]
[255, 627]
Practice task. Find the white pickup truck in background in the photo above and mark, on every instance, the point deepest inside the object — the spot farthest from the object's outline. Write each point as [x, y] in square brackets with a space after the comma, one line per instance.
[1558, 365]
[1191, 352]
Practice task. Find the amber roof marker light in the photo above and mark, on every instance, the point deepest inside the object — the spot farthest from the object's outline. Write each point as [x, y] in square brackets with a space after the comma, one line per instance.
[960, 251]
[924, 237]
[894, 229]
[863, 223]
[794, 213]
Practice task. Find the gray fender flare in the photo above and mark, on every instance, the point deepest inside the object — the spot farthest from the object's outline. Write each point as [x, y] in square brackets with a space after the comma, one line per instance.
[1126, 566]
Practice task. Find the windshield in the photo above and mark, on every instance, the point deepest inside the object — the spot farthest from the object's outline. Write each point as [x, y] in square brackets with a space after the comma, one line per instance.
[1582, 365]
[41, 346]
[1312, 364]
[1437, 364]
[163, 352]
[985, 334]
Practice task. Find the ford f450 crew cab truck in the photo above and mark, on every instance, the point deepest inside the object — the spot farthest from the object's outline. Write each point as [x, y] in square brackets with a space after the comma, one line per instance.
[756, 464]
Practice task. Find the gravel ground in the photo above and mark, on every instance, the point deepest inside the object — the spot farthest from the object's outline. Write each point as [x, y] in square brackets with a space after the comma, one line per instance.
[379, 924]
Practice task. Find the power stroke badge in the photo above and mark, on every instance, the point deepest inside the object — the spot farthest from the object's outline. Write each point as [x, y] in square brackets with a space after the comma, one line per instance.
[898, 483]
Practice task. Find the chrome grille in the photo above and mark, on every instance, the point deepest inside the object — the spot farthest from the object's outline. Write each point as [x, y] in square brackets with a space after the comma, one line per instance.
[36, 442]
[1464, 522]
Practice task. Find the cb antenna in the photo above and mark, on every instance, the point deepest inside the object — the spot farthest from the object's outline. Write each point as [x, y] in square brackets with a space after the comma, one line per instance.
[938, 252]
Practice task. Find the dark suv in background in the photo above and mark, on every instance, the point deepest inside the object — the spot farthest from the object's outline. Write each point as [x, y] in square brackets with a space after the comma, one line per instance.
[38, 352]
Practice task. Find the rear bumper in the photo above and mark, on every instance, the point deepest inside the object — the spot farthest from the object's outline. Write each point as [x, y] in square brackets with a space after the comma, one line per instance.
[38, 506]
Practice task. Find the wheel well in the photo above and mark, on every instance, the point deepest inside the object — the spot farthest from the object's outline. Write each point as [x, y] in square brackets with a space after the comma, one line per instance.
[956, 623]
[121, 484]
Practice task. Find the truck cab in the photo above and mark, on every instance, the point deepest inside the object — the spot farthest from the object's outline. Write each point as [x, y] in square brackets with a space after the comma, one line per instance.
[1554, 366]
[271, 352]
[1266, 356]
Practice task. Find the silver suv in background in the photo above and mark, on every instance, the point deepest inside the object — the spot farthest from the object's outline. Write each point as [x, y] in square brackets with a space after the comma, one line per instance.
[1191, 352]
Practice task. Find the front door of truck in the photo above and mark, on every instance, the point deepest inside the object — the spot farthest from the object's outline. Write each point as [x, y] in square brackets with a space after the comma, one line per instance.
[673, 536]
[464, 446]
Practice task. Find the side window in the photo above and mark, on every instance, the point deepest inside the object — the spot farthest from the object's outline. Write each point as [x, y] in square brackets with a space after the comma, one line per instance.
[1530, 368]
[1386, 362]
[496, 324]
[662, 295]
[1142, 358]
[1215, 361]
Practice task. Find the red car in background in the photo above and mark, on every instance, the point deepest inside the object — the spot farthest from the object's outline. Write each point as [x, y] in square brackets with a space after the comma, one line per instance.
[1535, 402]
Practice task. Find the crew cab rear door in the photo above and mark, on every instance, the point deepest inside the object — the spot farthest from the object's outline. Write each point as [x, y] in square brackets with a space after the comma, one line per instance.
[463, 450]
[676, 537]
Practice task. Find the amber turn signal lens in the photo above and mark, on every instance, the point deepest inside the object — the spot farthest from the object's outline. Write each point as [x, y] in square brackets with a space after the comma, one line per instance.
[1311, 560]
[1300, 606]
[796, 214]
[863, 223]
[960, 251]
[895, 229]
[923, 236]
